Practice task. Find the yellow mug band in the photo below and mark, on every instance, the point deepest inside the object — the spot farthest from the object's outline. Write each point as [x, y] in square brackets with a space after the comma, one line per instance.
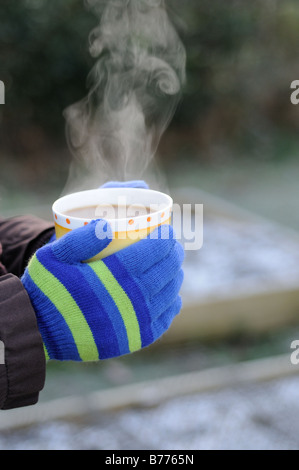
[120, 240]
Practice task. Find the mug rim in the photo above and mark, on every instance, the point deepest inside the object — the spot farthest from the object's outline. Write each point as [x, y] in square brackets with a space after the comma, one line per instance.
[118, 225]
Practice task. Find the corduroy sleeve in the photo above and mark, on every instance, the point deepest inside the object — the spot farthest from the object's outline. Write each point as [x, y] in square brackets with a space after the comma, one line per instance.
[22, 359]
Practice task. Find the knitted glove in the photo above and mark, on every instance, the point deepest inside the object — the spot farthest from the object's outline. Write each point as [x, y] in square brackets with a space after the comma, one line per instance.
[103, 309]
[127, 184]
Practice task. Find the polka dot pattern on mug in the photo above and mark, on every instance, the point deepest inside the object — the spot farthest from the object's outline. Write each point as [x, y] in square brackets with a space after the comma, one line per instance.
[140, 223]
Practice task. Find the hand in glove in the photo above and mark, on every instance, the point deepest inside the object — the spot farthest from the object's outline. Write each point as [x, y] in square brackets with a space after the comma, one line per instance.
[89, 311]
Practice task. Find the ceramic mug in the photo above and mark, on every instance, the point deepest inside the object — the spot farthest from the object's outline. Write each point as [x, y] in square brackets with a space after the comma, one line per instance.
[126, 230]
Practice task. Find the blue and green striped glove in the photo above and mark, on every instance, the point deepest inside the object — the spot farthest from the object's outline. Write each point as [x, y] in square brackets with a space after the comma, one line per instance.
[139, 184]
[103, 309]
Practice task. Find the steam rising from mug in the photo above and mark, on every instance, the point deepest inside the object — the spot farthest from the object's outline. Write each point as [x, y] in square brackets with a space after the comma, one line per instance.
[134, 88]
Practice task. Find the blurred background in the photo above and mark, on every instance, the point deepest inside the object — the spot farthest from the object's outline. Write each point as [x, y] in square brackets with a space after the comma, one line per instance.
[233, 146]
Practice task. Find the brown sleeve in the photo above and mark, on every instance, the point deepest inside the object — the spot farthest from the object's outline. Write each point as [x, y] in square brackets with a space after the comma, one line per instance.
[22, 375]
[20, 238]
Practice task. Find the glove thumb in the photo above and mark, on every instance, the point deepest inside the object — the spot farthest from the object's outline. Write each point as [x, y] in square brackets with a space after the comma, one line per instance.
[129, 184]
[83, 243]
